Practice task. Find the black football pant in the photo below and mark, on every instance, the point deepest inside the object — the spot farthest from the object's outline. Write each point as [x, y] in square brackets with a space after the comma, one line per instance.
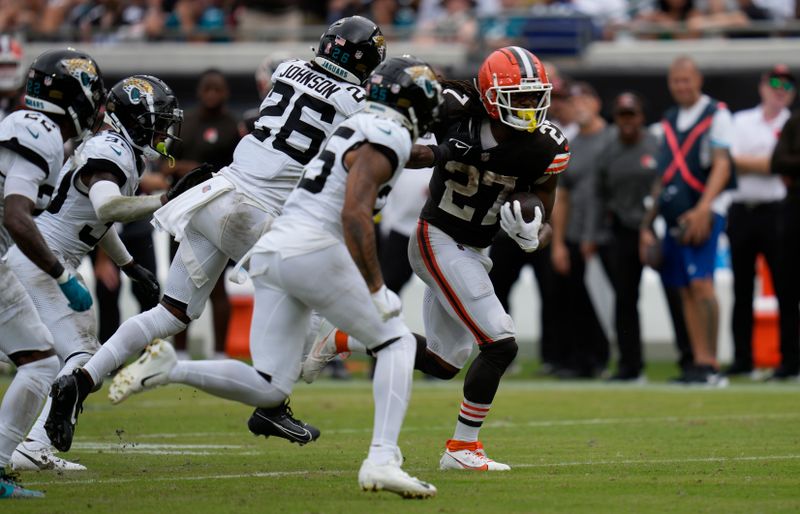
[579, 329]
[620, 259]
[753, 230]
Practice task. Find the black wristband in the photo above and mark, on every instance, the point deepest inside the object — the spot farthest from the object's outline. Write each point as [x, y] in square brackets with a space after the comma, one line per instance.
[57, 270]
[439, 154]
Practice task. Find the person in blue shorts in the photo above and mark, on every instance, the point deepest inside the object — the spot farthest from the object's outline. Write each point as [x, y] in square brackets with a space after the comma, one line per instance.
[695, 168]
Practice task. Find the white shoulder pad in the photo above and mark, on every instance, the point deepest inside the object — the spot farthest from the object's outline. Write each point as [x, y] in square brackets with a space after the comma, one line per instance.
[109, 146]
[36, 137]
[388, 134]
[350, 100]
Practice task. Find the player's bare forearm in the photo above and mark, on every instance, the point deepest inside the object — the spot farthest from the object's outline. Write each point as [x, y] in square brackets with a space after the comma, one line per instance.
[368, 169]
[359, 236]
[545, 235]
[421, 157]
[18, 220]
[547, 194]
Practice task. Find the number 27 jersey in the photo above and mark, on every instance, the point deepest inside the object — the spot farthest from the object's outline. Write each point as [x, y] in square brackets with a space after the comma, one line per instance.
[467, 192]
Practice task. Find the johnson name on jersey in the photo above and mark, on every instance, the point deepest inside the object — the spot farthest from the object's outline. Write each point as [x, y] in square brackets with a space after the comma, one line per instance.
[296, 117]
[70, 226]
[37, 139]
[467, 192]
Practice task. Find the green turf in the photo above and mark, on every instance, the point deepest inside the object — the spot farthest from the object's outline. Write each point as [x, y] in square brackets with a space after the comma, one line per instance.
[576, 447]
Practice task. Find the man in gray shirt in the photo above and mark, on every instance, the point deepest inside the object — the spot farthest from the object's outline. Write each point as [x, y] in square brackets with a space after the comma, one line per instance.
[579, 329]
[626, 168]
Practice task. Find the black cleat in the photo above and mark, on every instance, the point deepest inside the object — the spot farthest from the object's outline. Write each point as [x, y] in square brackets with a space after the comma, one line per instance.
[67, 404]
[280, 422]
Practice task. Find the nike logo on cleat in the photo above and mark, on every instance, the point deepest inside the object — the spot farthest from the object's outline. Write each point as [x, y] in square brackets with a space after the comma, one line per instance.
[145, 379]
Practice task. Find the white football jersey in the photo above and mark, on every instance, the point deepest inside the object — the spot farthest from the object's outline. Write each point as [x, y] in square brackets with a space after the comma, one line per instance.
[298, 114]
[35, 137]
[312, 216]
[70, 225]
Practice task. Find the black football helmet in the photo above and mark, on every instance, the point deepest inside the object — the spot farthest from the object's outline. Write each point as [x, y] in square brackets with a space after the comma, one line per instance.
[145, 111]
[351, 48]
[66, 83]
[409, 87]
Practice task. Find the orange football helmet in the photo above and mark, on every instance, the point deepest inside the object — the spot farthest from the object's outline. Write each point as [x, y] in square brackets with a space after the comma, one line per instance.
[505, 76]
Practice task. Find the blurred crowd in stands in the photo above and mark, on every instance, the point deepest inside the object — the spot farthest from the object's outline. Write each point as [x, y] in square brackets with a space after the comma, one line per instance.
[459, 21]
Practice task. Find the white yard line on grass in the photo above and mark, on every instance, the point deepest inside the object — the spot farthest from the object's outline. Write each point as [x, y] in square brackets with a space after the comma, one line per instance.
[279, 474]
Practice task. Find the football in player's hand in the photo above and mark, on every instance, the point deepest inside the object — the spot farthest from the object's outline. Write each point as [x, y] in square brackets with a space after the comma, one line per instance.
[528, 203]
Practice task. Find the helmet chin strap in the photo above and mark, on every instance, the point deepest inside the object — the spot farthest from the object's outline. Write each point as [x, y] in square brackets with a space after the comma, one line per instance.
[80, 133]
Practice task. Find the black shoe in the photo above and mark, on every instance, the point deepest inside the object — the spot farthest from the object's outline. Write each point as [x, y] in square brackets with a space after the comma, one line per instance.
[627, 376]
[280, 422]
[739, 368]
[702, 375]
[67, 404]
[783, 373]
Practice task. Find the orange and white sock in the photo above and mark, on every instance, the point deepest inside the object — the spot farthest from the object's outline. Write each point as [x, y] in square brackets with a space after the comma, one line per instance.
[470, 419]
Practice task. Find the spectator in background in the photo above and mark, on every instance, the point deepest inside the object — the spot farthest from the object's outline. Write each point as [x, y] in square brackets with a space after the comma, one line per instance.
[755, 219]
[457, 23]
[580, 332]
[695, 167]
[258, 18]
[786, 162]
[210, 134]
[724, 16]
[669, 18]
[626, 168]
[12, 74]
[561, 112]
[198, 20]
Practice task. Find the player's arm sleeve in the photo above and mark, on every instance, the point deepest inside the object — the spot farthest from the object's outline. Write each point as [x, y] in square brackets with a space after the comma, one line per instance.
[111, 206]
[24, 178]
[786, 157]
[115, 248]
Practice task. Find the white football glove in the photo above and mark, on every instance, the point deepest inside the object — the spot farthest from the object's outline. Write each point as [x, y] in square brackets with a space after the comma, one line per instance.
[387, 303]
[525, 234]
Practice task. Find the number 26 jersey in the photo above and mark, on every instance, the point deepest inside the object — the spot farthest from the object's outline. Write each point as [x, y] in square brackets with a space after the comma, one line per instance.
[467, 192]
[298, 114]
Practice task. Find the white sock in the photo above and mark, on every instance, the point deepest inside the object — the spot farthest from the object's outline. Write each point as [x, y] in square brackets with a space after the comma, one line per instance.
[37, 432]
[391, 390]
[23, 401]
[130, 338]
[471, 413]
[229, 379]
[353, 344]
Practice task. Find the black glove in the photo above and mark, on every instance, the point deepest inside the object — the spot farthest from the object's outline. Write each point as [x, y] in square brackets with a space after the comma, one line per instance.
[197, 176]
[143, 282]
[462, 144]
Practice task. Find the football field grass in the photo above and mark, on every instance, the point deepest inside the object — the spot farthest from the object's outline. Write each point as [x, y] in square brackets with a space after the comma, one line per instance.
[574, 447]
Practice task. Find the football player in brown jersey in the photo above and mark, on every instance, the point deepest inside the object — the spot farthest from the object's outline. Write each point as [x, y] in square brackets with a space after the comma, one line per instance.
[494, 141]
